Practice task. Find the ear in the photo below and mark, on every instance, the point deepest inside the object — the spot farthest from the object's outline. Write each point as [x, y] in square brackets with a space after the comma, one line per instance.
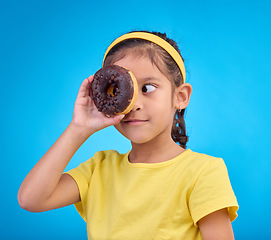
[182, 95]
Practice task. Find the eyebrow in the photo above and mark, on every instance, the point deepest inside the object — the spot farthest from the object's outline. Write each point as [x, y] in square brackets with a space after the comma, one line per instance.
[145, 79]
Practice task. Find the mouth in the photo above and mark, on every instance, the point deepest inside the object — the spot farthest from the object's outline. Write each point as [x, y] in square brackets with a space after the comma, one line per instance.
[134, 122]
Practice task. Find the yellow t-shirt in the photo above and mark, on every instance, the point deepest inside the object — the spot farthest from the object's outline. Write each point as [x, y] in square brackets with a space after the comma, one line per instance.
[142, 201]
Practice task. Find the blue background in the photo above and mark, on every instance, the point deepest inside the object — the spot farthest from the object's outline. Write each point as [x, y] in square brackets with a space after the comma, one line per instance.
[49, 47]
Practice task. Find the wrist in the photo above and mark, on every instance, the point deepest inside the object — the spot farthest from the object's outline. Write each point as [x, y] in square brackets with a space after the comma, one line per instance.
[79, 131]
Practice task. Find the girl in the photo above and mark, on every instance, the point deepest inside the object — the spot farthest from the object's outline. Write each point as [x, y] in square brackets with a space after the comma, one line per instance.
[159, 189]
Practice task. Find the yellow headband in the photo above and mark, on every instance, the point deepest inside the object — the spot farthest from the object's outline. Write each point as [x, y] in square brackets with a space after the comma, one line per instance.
[155, 39]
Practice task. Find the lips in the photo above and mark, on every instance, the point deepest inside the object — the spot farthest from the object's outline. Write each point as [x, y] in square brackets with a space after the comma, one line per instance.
[134, 121]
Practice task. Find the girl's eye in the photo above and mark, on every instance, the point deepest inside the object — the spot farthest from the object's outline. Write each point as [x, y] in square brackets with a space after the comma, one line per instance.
[148, 88]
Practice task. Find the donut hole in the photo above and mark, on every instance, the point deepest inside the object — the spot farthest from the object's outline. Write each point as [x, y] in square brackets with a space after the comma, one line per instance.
[111, 90]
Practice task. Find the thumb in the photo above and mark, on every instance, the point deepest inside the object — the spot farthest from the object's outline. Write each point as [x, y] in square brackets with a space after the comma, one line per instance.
[116, 119]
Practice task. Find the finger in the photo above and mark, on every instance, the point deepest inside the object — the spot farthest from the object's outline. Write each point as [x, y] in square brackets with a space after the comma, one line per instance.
[88, 87]
[115, 119]
[88, 90]
[83, 88]
[90, 78]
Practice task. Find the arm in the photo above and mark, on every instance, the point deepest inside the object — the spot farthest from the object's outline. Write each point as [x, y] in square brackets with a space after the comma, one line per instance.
[46, 187]
[216, 226]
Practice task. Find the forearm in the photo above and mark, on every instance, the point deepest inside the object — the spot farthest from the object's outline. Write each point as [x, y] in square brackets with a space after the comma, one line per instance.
[43, 179]
[45, 187]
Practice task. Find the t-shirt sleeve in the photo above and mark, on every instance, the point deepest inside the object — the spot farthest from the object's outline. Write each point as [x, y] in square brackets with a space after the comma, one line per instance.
[212, 191]
[82, 175]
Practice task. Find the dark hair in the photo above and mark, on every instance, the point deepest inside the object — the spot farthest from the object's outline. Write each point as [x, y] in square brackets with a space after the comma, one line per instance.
[165, 64]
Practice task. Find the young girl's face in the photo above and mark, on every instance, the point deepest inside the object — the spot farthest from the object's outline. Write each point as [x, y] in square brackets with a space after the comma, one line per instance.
[152, 115]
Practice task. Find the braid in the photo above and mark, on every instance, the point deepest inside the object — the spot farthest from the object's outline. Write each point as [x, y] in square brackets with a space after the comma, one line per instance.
[178, 132]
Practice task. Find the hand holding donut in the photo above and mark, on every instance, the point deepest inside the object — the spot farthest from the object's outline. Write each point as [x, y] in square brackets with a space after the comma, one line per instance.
[86, 116]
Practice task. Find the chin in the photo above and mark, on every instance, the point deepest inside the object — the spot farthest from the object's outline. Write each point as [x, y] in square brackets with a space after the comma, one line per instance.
[136, 139]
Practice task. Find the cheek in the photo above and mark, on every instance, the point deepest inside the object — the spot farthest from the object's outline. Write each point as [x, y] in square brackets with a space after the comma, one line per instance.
[118, 126]
[168, 112]
[121, 129]
[166, 103]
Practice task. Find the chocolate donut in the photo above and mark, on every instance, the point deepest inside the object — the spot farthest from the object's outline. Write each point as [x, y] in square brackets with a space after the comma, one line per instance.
[114, 90]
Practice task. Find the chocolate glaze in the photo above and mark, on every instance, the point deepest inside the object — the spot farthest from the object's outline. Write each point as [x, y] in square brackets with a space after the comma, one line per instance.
[118, 80]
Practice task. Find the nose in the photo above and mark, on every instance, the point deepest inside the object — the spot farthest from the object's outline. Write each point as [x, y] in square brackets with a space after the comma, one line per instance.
[138, 104]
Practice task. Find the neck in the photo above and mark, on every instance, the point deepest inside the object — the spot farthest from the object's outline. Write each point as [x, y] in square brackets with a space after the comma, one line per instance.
[155, 151]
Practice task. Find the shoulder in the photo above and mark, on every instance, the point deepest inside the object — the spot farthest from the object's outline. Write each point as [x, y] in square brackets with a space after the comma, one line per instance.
[210, 173]
[201, 161]
[203, 168]
[108, 157]
[108, 154]
[201, 156]
[100, 158]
